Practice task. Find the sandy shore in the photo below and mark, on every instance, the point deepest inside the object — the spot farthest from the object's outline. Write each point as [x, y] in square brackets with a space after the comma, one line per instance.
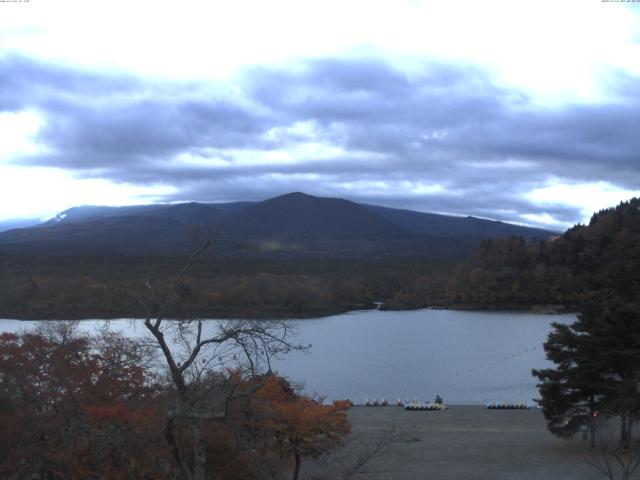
[464, 442]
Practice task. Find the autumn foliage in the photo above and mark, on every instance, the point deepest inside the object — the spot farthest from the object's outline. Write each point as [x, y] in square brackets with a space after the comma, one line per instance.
[80, 407]
[306, 428]
[72, 408]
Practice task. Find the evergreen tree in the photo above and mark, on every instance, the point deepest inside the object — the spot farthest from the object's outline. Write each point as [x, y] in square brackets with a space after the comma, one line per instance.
[612, 330]
[597, 369]
[570, 393]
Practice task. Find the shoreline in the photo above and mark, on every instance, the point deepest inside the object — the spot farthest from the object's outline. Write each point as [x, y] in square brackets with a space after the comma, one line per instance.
[464, 442]
[535, 309]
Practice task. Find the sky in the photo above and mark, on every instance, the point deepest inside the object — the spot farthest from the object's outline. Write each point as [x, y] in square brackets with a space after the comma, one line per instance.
[521, 111]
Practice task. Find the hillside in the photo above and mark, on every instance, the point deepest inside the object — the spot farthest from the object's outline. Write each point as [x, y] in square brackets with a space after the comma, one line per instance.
[6, 225]
[438, 225]
[113, 234]
[565, 271]
[294, 225]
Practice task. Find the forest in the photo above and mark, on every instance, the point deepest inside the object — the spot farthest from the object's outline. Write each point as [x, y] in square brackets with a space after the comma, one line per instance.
[502, 273]
[48, 287]
[596, 358]
[565, 272]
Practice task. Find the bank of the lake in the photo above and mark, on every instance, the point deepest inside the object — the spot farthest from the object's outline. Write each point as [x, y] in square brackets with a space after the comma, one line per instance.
[464, 442]
[288, 314]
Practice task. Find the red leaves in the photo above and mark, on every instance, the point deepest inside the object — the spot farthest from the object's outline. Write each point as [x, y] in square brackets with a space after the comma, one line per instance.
[109, 412]
[74, 407]
[80, 407]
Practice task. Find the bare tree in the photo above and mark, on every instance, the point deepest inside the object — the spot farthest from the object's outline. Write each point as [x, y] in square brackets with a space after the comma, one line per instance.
[352, 461]
[60, 331]
[196, 354]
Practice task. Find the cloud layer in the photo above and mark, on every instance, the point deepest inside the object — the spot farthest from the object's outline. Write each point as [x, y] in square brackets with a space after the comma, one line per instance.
[443, 137]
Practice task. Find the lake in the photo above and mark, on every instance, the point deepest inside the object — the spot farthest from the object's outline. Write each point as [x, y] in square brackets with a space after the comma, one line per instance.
[465, 357]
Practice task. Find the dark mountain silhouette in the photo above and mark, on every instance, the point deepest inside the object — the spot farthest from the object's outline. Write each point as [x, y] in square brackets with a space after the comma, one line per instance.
[294, 224]
[296, 215]
[118, 234]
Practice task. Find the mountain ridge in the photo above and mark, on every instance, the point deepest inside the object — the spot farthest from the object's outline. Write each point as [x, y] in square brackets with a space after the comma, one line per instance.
[291, 224]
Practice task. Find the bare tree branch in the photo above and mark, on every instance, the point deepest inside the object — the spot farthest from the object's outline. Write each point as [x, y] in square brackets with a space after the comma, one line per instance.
[190, 352]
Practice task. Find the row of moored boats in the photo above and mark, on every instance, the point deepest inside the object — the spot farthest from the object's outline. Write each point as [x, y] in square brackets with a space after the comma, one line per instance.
[414, 405]
[425, 406]
[438, 404]
[508, 406]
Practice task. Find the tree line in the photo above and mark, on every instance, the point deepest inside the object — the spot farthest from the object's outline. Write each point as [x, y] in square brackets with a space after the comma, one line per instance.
[596, 377]
[62, 287]
[565, 271]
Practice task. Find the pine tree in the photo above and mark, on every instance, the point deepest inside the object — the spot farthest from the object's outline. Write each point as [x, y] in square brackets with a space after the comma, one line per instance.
[570, 393]
[612, 328]
[597, 369]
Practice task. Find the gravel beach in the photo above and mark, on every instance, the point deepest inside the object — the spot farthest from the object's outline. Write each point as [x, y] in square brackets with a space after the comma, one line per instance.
[461, 443]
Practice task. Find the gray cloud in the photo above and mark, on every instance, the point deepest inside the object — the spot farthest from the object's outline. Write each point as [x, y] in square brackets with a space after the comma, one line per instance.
[395, 135]
[152, 129]
[27, 82]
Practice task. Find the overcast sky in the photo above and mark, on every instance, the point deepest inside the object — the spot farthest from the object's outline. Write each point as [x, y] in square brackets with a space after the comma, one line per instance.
[523, 111]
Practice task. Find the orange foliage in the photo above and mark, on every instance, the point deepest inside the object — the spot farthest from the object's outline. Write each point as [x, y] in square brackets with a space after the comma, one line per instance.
[306, 427]
[300, 426]
[89, 408]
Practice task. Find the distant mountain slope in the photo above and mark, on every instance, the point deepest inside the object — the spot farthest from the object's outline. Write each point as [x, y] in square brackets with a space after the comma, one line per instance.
[189, 213]
[90, 212]
[6, 225]
[294, 224]
[449, 226]
[110, 234]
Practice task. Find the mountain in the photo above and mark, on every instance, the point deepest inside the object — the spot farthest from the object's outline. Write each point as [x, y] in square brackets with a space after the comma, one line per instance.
[449, 226]
[91, 212]
[296, 215]
[6, 225]
[295, 224]
[114, 234]
[188, 213]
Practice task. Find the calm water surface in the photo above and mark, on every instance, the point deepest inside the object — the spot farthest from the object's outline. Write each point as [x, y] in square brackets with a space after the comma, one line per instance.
[465, 357]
